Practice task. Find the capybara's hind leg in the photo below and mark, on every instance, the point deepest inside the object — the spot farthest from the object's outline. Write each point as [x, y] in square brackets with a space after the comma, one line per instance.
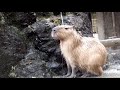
[97, 70]
[86, 74]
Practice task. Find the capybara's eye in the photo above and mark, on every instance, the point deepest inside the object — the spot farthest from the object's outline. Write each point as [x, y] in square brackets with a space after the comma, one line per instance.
[66, 28]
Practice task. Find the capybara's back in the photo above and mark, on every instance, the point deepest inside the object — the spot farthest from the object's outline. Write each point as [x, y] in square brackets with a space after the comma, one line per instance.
[91, 55]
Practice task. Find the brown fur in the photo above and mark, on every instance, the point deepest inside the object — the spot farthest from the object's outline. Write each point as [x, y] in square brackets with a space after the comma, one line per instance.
[87, 53]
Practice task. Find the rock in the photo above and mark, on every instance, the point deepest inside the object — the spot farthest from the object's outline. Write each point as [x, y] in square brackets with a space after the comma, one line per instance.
[19, 19]
[40, 58]
[12, 49]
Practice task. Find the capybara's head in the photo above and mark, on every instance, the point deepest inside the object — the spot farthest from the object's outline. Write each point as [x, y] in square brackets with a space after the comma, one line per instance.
[62, 32]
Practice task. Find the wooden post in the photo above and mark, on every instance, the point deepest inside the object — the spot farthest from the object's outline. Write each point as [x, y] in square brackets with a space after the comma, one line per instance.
[117, 23]
[113, 20]
[100, 25]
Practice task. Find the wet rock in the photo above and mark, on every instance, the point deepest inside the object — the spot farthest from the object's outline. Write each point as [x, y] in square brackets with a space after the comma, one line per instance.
[12, 48]
[19, 19]
[40, 58]
[52, 65]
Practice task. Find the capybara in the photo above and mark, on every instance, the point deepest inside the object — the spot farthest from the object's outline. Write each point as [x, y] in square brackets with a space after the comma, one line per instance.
[86, 53]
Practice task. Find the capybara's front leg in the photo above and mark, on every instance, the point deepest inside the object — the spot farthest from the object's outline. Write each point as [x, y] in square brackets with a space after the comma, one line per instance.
[68, 69]
[73, 74]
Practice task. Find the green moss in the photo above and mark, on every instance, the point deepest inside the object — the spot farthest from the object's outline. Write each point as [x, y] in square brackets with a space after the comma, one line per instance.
[57, 21]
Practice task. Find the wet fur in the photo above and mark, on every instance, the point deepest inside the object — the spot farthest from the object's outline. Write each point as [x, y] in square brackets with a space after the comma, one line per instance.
[87, 53]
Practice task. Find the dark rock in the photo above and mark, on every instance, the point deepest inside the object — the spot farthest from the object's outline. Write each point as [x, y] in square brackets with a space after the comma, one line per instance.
[44, 14]
[41, 49]
[52, 64]
[12, 48]
[19, 19]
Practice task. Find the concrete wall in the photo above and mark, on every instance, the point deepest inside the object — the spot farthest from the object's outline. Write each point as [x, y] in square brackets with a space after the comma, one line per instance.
[108, 24]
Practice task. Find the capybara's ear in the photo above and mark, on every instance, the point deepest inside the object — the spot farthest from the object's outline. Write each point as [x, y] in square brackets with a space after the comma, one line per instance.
[73, 27]
[80, 33]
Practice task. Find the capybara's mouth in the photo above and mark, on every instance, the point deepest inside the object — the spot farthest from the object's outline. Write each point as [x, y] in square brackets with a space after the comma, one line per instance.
[53, 35]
